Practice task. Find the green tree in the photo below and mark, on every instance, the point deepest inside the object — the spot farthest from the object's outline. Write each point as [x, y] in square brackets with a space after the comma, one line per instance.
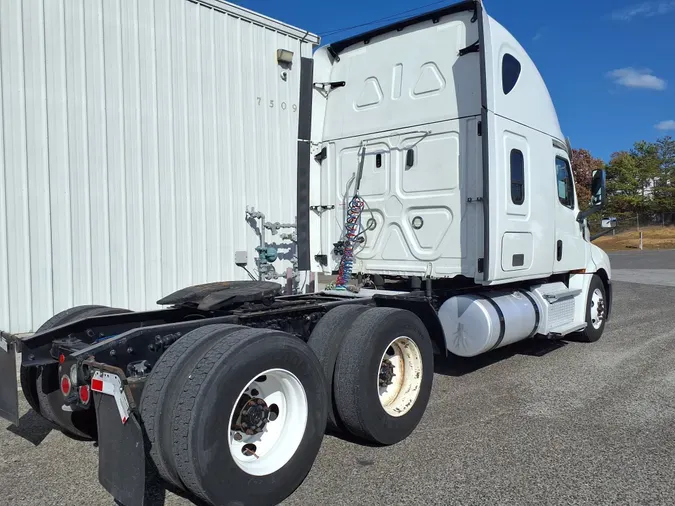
[624, 188]
[666, 151]
[648, 163]
[639, 181]
[664, 187]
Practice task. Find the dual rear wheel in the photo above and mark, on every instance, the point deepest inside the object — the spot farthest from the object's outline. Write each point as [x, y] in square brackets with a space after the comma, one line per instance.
[40, 384]
[235, 415]
[379, 362]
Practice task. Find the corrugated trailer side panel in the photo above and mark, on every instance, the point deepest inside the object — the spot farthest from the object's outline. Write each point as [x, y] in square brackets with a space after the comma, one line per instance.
[133, 135]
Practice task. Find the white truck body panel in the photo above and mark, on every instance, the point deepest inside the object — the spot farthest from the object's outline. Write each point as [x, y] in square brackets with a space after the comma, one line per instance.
[525, 120]
[133, 135]
[410, 88]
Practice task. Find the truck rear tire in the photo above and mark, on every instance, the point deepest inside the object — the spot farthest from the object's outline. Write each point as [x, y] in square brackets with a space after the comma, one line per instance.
[250, 422]
[384, 375]
[160, 392]
[28, 375]
[326, 340]
[41, 384]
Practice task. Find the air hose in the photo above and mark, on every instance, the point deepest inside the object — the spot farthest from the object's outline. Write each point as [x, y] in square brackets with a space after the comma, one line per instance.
[354, 211]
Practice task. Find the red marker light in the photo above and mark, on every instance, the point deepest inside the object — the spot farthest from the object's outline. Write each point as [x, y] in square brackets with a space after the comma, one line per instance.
[97, 385]
[84, 394]
[65, 385]
[62, 358]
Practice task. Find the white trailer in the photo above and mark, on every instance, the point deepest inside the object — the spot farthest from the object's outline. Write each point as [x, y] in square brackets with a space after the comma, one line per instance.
[134, 135]
[434, 180]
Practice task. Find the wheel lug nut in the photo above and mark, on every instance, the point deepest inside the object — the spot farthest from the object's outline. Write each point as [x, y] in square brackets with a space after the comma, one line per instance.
[237, 436]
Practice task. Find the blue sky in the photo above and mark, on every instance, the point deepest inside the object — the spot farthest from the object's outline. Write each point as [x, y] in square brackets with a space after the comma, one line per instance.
[609, 64]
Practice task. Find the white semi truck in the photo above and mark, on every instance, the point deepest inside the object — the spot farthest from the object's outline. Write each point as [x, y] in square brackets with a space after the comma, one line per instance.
[434, 181]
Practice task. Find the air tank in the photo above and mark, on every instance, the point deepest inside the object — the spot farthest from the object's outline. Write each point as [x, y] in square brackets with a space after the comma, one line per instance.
[477, 323]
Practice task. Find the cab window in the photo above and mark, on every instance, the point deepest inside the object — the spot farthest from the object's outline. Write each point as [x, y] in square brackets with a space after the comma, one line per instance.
[565, 182]
[517, 177]
[510, 73]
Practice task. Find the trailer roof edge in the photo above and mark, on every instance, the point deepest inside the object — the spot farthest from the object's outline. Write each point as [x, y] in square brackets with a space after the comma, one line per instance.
[261, 19]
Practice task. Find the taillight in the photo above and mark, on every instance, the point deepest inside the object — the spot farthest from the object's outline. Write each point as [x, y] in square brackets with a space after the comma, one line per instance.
[84, 394]
[65, 385]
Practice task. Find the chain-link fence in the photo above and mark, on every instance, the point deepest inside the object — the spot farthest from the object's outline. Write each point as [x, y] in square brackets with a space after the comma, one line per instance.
[635, 231]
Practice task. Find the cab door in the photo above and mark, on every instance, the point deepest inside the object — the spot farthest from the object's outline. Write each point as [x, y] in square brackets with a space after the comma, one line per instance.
[570, 249]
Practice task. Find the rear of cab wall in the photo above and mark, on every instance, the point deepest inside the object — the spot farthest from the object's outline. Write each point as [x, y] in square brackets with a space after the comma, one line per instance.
[541, 121]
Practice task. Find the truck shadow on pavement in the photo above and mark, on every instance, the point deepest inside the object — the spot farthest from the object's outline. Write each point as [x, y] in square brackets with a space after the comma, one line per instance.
[459, 366]
[32, 427]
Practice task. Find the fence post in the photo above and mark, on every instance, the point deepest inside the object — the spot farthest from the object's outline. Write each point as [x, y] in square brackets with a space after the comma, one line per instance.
[640, 240]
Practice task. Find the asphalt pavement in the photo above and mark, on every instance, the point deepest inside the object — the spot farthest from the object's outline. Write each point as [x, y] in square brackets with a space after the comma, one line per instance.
[535, 423]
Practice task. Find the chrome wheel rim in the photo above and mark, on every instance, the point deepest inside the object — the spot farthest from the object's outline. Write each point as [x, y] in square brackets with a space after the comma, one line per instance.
[597, 308]
[268, 422]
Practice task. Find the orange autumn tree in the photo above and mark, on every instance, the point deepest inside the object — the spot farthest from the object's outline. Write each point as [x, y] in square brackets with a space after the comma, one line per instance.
[583, 165]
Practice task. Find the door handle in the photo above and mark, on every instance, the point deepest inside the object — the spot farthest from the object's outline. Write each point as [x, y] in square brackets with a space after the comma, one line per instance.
[409, 159]
[560, 250]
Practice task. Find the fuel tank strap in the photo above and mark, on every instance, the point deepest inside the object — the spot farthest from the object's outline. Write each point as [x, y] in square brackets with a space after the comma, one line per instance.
[500, 314]
[537, 315]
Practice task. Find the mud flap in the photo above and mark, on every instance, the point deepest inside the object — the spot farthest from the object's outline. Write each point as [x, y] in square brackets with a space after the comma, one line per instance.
[9, 391]
[121, 453]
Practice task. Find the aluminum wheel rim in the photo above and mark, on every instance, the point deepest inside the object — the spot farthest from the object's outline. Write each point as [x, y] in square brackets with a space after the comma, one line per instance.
[276, 444]
[404, 358]
[597, 305]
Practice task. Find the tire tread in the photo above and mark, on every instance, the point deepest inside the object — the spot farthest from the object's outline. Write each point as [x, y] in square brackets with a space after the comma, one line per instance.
[326, 342]
[590, 334]
[162, 378]
[183, 412]
[348, 388]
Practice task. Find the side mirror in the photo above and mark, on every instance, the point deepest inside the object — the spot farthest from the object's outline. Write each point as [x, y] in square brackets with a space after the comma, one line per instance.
[599, 189]
[598, 195]
[608, 223]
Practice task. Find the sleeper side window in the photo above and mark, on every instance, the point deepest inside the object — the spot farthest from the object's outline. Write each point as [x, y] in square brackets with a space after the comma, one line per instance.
[565, 182]
[517, 177]
[510, 73]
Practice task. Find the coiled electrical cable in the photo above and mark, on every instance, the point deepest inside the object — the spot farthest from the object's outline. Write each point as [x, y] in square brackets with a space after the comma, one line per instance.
[352, 226]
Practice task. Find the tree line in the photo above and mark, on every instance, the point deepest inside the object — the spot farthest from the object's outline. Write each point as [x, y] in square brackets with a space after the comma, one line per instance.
[640, 181]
